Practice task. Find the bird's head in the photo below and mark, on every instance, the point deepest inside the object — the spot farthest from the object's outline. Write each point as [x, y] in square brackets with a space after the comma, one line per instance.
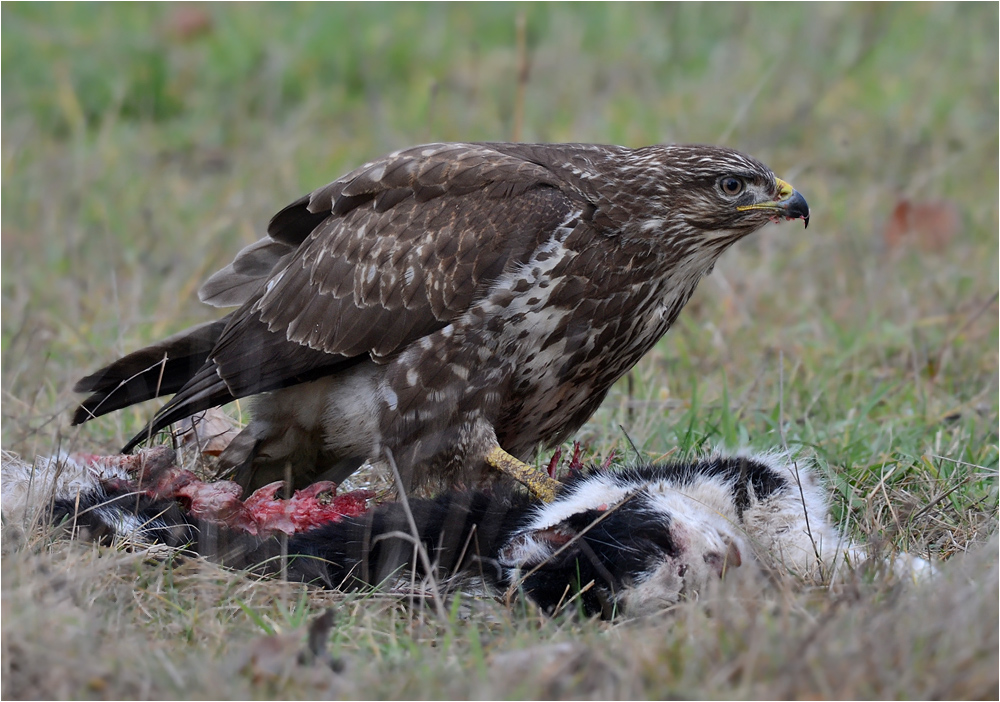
[711, 189]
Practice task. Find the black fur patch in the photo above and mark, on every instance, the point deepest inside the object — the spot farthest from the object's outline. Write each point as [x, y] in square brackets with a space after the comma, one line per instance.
[612, 550]
[744, 474]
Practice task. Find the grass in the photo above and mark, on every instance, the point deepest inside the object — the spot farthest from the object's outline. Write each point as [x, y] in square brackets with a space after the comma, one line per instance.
[142, 148]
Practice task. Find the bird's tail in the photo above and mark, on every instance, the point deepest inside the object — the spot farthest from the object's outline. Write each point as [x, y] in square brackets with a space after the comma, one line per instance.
[205, 389]
[161, 369]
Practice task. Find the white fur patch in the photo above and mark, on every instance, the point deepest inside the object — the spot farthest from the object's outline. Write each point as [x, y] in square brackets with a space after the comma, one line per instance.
[789, 528]
[25, 488]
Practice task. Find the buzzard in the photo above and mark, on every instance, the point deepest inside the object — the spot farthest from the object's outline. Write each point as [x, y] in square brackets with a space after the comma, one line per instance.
[455, 306]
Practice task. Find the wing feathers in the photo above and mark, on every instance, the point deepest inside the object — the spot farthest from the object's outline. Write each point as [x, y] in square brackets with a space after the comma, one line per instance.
[342, 289]
[390, 198]
[237, 282]
[294, 223]
[361, 267]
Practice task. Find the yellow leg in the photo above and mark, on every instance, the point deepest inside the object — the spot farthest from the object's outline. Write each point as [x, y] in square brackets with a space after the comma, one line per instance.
[541, 486]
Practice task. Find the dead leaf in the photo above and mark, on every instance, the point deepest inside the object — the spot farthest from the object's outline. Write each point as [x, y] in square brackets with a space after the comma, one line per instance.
[209, 431]
[926, 226]
[188, 22]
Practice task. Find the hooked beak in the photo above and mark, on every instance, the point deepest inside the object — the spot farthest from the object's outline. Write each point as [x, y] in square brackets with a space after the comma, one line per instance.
[789, 204]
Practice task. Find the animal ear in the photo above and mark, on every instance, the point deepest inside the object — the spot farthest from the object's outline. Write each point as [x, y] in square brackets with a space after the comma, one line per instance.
[555, 536]
[535, 545]
[720, 562]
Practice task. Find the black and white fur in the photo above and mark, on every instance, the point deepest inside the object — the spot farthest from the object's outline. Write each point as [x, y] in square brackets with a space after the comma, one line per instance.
[632, 540]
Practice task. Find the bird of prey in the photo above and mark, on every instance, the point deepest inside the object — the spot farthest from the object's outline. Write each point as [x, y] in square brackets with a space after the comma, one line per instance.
[456, 306]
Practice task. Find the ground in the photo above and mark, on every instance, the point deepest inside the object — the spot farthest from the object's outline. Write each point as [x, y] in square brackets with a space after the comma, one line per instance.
[144, 145]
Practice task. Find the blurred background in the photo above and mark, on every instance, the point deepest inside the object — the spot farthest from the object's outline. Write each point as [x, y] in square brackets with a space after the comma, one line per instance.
[143, 145]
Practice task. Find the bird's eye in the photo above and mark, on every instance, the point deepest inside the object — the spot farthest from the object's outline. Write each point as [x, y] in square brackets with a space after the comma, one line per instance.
[731, 185]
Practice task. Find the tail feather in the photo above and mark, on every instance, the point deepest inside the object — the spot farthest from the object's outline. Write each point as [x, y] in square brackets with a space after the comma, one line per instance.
[161, 369]
[204, 391]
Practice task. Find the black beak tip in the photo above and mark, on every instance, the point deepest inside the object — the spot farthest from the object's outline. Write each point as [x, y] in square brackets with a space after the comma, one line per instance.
[796, 207]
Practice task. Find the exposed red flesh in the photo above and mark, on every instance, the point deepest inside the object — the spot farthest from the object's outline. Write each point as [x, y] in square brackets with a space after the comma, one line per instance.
[157, 475]
[576, 462]
[554, 462]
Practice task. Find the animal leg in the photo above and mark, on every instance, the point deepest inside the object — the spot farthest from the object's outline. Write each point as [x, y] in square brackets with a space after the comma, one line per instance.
[541, 486]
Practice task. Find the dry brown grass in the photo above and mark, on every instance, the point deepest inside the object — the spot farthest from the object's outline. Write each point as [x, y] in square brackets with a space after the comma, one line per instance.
[94, 623]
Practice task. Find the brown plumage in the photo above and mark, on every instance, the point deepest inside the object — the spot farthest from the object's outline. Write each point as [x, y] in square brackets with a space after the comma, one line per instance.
[449, 298]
